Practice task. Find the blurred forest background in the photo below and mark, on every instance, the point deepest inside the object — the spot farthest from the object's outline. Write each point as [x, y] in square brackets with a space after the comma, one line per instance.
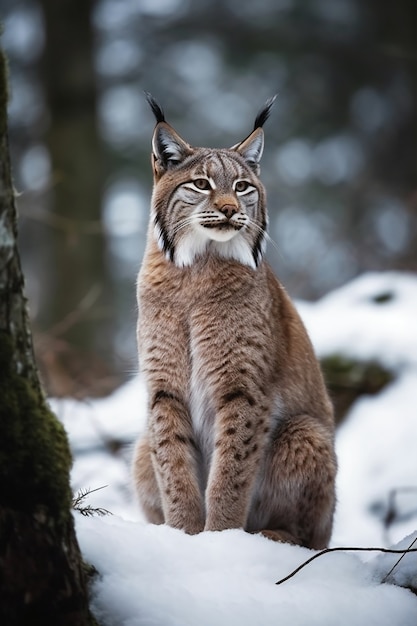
[340, 164]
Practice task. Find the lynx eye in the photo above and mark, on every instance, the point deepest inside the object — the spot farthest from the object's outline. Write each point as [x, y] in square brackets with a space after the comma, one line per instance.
[242, 186]
[202, 185]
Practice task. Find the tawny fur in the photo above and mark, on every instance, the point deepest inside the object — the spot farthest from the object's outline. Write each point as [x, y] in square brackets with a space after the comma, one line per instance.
[240, 430]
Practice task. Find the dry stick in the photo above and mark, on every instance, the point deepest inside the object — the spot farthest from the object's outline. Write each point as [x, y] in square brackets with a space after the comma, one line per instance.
[341, 549]
[67, 225]
[409, 549]
[84, 305]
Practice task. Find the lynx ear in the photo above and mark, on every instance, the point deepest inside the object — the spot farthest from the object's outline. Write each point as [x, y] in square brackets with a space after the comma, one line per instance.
[251, 148]
[168, 149]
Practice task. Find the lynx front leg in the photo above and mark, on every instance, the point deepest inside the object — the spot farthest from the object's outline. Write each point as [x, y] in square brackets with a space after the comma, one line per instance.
[173, 455]
[239, 444]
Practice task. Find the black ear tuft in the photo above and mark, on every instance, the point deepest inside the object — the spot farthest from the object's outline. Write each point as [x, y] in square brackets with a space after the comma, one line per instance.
[264, 112]
[156, 108]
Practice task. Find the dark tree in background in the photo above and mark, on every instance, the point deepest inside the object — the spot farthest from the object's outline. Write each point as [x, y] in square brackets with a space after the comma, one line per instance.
[340, 162]
[41, 573]
[78, 289]
[76, 252]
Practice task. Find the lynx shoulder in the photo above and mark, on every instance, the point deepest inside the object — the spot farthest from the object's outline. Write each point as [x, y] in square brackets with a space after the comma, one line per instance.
[240, 430]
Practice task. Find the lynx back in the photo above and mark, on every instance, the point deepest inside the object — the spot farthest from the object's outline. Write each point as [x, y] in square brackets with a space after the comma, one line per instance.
[240, 430]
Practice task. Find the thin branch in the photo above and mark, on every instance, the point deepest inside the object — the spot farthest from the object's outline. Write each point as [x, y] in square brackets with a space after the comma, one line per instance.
[88, 510]
[83, 493]
[341, 549]
[67, 225]
[73, 317]
[409, 549]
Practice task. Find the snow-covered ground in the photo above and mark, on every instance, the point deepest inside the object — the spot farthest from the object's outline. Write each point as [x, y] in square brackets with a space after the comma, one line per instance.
[158, 576]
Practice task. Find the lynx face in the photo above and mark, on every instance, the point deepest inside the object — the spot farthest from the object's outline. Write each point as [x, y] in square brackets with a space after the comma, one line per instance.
[208, 199]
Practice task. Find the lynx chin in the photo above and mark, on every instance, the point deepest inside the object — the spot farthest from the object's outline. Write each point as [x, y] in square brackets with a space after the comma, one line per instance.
[240, 430]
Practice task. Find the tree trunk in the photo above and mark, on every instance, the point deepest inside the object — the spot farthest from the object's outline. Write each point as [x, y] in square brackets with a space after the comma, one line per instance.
[41, 572]
[75, 255]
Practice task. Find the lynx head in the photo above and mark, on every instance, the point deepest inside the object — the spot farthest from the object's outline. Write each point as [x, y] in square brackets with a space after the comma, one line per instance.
[208, 200]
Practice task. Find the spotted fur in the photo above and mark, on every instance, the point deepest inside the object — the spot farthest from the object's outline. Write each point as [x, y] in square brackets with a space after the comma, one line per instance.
[240, 430]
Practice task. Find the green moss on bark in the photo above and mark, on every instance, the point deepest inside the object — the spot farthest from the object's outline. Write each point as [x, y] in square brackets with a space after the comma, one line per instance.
[347, 379]
[37, 473]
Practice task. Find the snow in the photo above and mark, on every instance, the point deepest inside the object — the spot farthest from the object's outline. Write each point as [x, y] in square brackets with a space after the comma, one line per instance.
[158, 576]
[351, 321]
[154, 575]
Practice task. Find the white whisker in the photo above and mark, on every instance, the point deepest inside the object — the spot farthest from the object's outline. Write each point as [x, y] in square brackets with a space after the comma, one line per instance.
[197, 218]
[258, 228]
[184, 223]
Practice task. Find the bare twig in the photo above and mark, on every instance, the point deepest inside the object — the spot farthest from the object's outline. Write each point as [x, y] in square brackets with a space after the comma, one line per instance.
[343, 549]
[73, 317]
[65, 224]
[409, 549]
[88, 510]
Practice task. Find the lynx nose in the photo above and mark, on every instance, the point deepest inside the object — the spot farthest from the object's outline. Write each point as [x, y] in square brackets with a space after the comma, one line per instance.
[229, 210]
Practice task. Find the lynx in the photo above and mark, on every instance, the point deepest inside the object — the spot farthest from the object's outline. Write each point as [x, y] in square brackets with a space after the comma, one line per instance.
[240, 430]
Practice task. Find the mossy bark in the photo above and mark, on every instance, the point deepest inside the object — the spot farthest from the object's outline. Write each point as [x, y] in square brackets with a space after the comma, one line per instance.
[347, 379]
[41, 574]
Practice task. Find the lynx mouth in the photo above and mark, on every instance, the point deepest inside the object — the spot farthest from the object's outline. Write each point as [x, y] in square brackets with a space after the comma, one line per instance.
[223, 225]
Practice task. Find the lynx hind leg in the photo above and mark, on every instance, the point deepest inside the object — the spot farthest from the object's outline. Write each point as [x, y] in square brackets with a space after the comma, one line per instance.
[297, 494]
[145, 482]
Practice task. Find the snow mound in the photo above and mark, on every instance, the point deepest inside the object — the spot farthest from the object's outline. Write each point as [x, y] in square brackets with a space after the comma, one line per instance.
[158, 576]
[374, 317]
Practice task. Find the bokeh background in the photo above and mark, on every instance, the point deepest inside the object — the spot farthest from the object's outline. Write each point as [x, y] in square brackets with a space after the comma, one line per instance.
[340, 164]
